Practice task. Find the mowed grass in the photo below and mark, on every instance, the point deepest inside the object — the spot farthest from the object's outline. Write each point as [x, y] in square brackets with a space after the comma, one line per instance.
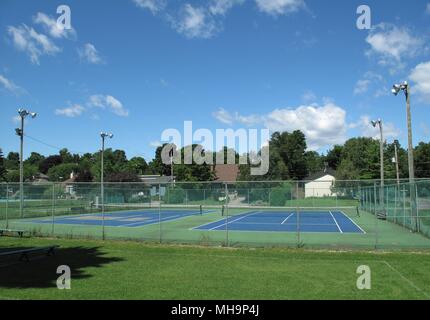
[130, 270]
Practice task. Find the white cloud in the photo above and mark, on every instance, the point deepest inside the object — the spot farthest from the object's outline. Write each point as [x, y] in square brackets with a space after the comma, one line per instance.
[361, 86]
[309, 97]
[420, 75]
[223, 116]
[71, 112]
[221, 7]
[250, 120]
[367, 130]
[155, 144]
[279, 7]
[154, 6]
[391, 44]
[90, 54]
[9, 85]
[35, 44]
[195, 22]
[108, 102]
[322, 125]
[51, 26]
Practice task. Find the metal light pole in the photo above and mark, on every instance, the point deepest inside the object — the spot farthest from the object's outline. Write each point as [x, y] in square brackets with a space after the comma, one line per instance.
[381, 157]
[405, 88]
[20, 132]
[103, 135]
[396, 160]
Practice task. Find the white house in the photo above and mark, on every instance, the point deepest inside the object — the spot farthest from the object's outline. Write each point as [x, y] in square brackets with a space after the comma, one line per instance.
[320, 185]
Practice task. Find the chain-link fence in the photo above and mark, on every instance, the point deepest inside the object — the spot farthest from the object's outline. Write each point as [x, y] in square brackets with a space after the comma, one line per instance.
[334, 214]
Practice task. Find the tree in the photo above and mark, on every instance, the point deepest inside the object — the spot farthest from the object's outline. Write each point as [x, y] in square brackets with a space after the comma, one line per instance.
[156, 166]
[137, 165]
[422, 160]
[35, 159]
[334, 157]
[49, 162]
[62, 171]
[12, 161]
[3, 170]
[314, 162]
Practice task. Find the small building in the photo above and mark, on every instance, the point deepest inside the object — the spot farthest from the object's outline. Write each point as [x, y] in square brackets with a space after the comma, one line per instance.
[226, 172]
[320, 185]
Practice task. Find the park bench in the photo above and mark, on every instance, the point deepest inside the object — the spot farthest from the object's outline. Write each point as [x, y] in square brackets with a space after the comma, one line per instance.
[12, 231]
[24, 253]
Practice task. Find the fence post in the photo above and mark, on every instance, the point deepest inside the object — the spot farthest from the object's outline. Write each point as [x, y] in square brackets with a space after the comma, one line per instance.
[417, 207]
[7, 205]
[53, 208]
[226, 213]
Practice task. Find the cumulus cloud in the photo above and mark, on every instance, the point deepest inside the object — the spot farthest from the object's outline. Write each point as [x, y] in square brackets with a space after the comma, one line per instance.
[70, 112]
[391, 44]
[108, 102]
[50, 25]
[420, 75]
[10, 86]
[223, 116]
[221, 7]
[90, 54]
[155, 6]
[370, 78]
[323, 125]
[34, 44]
[280, 7]
[195, 22]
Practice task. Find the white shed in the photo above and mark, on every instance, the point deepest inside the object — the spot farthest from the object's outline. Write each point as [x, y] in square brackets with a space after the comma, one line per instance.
[320, 185]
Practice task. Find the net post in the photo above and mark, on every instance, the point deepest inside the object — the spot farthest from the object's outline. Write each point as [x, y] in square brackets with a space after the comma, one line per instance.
[159, 214]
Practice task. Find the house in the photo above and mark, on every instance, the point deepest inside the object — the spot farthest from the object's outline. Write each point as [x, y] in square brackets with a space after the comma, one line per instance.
[320, 184]
[226, 172]
[156, 182]
[69, 185]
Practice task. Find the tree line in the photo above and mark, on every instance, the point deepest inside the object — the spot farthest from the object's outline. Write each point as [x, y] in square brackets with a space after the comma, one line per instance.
[356, 159]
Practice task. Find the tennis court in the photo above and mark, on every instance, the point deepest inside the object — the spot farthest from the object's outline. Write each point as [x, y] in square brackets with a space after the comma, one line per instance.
[312, 221]
[132, 218]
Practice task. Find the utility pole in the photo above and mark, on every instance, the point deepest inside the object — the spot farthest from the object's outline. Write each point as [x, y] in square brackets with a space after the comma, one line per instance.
[20, 132]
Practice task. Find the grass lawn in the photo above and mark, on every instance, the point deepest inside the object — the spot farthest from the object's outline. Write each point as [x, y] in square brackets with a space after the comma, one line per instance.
[131, 270]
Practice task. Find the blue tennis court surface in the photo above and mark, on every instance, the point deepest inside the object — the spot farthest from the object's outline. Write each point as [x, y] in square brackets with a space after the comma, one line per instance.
[134, 218]
[286, 221]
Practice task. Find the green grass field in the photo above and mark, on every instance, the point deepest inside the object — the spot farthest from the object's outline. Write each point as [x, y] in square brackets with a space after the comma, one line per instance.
[131, 270]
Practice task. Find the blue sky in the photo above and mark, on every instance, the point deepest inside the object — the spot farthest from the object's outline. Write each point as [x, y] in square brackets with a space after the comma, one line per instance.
[137, 67]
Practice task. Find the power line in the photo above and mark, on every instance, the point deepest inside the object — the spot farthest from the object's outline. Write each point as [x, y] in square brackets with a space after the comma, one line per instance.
[52, 146]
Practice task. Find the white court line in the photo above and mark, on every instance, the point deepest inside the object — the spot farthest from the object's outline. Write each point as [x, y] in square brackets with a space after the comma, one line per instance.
[413, 285]
[352, 221]
[287, 218]
[228, 222]
[340, 230]
[155, 220]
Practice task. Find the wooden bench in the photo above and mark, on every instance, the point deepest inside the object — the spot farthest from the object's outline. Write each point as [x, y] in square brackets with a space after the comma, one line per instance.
[12, 231]
[23, 253]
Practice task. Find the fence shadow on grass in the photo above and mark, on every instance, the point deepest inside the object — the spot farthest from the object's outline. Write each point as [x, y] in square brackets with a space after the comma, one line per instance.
[40, 271]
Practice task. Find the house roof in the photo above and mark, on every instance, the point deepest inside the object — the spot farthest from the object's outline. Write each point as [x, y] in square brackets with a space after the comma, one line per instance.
[226, 172]
[156, 179]
[321, 174]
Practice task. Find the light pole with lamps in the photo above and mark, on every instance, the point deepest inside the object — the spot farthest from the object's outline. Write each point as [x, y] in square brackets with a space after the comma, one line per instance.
[20, 132]
[103, 135]
[381, 157]
[405, 88]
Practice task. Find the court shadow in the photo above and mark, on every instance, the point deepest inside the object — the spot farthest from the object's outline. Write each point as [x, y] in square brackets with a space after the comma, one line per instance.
[40, 270]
